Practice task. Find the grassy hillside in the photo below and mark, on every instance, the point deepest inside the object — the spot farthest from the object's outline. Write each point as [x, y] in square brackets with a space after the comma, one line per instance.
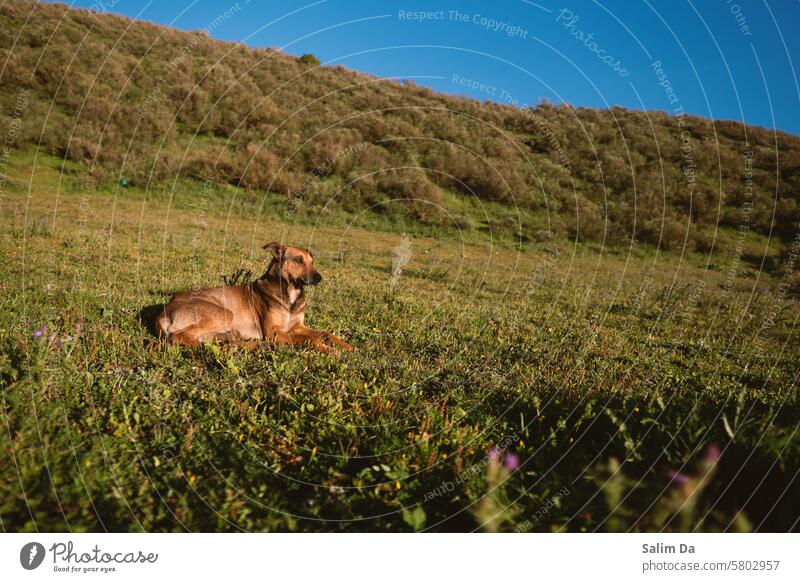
[133, 100]
[555, 389]
[525, 362]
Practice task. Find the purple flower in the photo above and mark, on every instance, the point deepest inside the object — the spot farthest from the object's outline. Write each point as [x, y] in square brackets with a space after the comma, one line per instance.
[58, 344]
[511, 462]
[40, 332]
[677, 477]
[713, 453]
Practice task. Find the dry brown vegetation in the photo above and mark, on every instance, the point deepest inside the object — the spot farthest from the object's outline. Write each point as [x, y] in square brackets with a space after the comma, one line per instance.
[134, 100]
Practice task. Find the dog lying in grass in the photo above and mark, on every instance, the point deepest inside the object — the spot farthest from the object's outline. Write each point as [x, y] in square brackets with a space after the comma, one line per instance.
[270, 310]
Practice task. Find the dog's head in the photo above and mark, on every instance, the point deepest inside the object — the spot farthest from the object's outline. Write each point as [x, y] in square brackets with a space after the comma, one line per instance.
[294, 264]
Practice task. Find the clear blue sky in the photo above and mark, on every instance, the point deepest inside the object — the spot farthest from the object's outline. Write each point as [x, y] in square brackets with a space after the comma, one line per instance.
[720, 59]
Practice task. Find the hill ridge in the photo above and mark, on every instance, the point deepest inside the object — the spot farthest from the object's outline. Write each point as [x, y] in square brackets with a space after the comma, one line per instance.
[152, 109]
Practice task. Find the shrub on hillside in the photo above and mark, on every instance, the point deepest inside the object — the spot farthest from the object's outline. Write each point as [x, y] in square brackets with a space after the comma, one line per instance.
[309, 59]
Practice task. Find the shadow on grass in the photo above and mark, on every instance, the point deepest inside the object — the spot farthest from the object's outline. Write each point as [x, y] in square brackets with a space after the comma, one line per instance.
[147, 317]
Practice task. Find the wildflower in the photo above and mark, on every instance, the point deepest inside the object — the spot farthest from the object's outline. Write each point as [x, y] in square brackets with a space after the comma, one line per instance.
[511, 462]
[40, 332]
[713, 453]
[494, 453]
[677, 477]
[397, 485]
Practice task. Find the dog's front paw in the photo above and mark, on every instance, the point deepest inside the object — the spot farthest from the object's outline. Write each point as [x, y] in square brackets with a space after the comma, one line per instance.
[339, 343]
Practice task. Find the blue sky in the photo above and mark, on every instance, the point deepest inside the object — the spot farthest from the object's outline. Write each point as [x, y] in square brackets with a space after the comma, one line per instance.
[723, 59]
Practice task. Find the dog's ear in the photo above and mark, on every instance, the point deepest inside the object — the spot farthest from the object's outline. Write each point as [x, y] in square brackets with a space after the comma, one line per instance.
[275, 248]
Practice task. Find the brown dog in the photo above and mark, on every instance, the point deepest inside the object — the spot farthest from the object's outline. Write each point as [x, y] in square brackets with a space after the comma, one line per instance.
[271, 309]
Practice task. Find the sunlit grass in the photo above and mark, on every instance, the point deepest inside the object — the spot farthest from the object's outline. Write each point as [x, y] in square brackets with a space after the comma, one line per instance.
[605, 372]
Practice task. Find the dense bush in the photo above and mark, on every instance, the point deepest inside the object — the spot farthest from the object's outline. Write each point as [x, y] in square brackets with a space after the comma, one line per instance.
[309, 59]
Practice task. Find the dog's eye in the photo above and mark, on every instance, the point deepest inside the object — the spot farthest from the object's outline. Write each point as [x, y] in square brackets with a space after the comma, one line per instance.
[299, 260]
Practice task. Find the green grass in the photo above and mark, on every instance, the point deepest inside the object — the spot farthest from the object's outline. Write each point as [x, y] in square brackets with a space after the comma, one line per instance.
[602, 370]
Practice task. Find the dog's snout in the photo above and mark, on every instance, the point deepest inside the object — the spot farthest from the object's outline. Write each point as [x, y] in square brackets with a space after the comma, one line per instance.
[314, 278]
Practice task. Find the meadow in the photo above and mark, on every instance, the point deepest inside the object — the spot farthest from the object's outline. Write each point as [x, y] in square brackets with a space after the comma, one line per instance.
[499, 384]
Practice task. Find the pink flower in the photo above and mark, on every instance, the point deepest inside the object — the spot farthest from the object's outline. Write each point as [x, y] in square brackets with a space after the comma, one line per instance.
[511, 462]
[713, 453]
[40, 332]
[677, 477]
